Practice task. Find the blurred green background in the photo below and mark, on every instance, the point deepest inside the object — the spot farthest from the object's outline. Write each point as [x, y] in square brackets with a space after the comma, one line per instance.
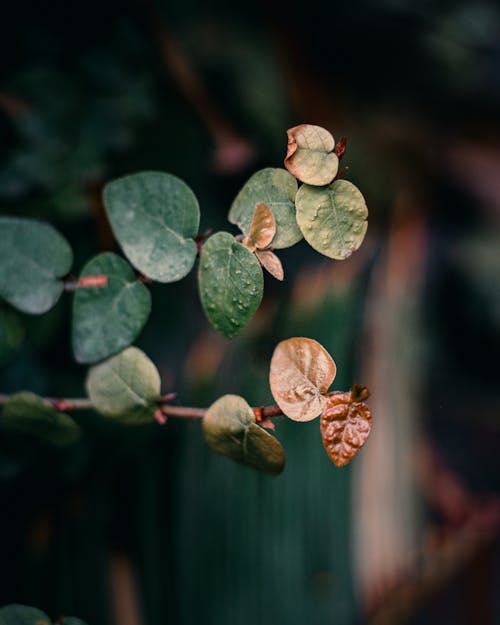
[145, 526]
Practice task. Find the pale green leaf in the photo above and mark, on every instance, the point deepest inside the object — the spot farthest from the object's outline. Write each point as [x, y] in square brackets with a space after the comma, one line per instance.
[15, 614]
[125, 387]
[230, 283]
[333, 219]
[230, 429]
[310, 156]
[30, 414]
[33, 259]
[155, 217]
[107, 319]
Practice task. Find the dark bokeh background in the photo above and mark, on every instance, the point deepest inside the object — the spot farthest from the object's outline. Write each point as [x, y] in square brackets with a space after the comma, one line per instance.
[145, 526]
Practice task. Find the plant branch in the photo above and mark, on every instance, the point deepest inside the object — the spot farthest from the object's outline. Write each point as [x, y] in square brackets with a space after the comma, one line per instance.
[77, 403]
[167, 410]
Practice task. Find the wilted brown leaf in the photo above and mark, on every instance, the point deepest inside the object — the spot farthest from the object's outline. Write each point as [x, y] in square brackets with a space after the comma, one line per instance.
[310, 156]
[345, 424]
[271, 262]
[262, 228]
[301, 372]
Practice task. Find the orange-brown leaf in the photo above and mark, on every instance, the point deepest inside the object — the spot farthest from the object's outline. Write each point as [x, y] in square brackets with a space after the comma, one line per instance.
[271, 262]
[262, 228]
[345, 425]
[301, 373]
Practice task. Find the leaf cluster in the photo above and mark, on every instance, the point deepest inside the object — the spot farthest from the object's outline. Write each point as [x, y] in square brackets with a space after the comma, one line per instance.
[155, 218]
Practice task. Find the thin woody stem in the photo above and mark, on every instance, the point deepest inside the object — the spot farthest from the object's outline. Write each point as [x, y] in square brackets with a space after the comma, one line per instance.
[182, 412]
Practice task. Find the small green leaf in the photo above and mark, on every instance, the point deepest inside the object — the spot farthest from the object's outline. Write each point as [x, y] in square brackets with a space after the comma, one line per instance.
[230, 429]
[230, 282]
[107, 319]
[22, 615]
[155, 217]
[125, 387]
[28, 413]
[333, 219]
[275, 188]
[33, 258]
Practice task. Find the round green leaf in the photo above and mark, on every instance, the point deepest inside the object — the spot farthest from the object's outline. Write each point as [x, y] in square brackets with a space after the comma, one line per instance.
[125, 387]
[154, 217]
[310, 156]
[22, 615]
[33, 258]
[333, 219]
[107, 319]
[230, 282]
[275, 188]
[28, 413]
[230, 429]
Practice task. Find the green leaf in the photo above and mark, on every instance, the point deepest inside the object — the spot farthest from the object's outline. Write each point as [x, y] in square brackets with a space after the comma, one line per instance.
[33, 258]
[125, 387]
[22, 615]
[230, 282]
[230, 429]
[333, 219]
[275, 188]
[107, 319]
[154, 217]
[28, 413]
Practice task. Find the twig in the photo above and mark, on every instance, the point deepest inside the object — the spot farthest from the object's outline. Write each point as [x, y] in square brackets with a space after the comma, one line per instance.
[182, 412]
[86, 282]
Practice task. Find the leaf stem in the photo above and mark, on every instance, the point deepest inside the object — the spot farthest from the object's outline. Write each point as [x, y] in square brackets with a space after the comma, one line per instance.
[86, 282]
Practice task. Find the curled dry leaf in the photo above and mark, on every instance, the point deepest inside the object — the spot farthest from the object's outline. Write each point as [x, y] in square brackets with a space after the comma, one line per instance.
[345, 424]
[277, 188]
[310, 156]
[301, 373]
[271, 262]
[262, 229]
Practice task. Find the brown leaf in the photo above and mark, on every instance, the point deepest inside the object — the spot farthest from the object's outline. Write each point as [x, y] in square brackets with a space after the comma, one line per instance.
[271, 262]
[345, 424]
[262, 228]
[301, 372]
[310, 155]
